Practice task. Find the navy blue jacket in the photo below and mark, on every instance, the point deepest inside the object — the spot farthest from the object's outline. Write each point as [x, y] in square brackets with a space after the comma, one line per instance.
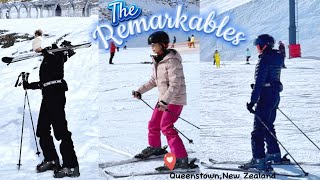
[268, 70]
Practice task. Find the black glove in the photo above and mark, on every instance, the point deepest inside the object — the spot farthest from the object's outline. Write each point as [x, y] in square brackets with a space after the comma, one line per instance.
[252, 86]
[33, 85]
[162, 106]
[136, 94]
[44, 51]
[66, 43]
[250, 107]
[25, 85]
[71, 53]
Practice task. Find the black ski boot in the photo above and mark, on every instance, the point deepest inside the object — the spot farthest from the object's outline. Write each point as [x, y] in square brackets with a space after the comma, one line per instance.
[275, 158]
[259, 164]
[151, 151]
[181, 163]
[48, 165]
[66, 172]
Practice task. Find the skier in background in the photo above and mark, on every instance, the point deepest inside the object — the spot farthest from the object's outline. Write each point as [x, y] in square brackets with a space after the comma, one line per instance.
[216, 59]
[266, 95]
[168, 76]
[112, 51]
[174, 41]
[7, 14]
[125, 45]
[37, 41]
[248, 55]
[189, 43]
[52, 112]
[192, 41]
[282, 50]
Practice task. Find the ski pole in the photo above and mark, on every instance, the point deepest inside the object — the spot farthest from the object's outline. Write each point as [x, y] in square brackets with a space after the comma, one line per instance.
[34, 134]
[182, 118]
[190, 140]
[24, 106]
[305, 173]
[298, 128]
[17, 82]
[172, 114]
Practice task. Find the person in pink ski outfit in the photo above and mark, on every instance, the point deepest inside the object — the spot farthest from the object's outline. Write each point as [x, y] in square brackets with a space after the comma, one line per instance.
[169, 78]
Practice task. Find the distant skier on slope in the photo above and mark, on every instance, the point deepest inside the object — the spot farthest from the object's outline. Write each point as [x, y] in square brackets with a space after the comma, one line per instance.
[265, 94]
[125, 45]
[248, 55]
[174, 41]
[52, 112]
[282, 50]
[112, 51]
[37, 41]
[192, 41]
[168, 76]
[189, 43]
[216, 59]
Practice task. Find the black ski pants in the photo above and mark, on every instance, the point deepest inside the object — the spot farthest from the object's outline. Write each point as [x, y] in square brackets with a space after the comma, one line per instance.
[266, 112]
[52, 113]
[111, 57]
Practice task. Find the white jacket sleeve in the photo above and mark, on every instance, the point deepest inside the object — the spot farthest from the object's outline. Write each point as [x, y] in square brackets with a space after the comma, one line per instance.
[36, 43]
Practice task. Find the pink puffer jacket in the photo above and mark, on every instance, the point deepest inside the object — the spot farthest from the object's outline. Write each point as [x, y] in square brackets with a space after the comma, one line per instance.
[168, 76]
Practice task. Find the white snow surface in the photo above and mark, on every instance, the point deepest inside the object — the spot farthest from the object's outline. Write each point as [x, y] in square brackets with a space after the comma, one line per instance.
[124, 131]
[221, 5]
[263, 17]
[81, 107]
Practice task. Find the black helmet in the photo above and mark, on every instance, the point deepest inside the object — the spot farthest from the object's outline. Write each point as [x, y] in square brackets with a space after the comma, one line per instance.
[264, 39]
[159, 37]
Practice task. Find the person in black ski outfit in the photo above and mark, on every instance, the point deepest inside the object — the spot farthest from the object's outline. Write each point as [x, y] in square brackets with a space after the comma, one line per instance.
[282, 50]
[52, 112]
[265, 94]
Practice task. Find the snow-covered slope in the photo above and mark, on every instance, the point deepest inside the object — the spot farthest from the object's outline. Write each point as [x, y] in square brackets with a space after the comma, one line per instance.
[81, 108]
[221, 5]
[151, 7]
[264, 16]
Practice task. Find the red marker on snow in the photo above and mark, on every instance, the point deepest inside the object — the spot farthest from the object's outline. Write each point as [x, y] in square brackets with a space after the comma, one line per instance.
[170, 160]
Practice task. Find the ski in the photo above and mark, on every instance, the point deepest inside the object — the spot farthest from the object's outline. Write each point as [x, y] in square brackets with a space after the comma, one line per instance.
[133, 160]
[152, 173]
[128, 161]
[146, 62]
[211, 166]
[273, 164]
[9, 60]
[193, 168]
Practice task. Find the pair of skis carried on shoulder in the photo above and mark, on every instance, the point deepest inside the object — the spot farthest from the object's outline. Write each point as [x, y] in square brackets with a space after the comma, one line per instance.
[13, 59]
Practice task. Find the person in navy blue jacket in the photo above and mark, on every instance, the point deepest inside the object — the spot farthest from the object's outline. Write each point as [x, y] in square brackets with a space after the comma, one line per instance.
[266, 95]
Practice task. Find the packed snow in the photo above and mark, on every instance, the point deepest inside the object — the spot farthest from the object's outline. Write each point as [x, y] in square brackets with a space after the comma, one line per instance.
[226, 124]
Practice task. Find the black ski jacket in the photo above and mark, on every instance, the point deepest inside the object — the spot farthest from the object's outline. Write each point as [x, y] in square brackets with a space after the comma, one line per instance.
[267, 73]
